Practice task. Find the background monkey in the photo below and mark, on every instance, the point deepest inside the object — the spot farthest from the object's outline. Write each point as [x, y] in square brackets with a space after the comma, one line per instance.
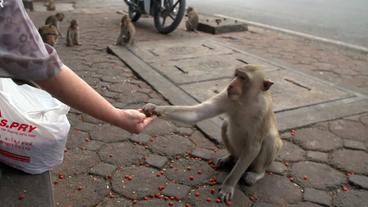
[127, 32]
[54, 20]
[192, 19]
[49, 34]
[50, 5]
[72, 35]
[250, 133]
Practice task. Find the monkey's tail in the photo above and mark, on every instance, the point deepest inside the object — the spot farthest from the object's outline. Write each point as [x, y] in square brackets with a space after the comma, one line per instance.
[120, 12]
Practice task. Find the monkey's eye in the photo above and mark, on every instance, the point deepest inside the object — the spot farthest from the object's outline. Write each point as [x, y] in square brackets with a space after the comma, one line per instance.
[242, 78]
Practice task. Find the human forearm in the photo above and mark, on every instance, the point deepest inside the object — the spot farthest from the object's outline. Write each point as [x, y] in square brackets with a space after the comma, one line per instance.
[73, 91]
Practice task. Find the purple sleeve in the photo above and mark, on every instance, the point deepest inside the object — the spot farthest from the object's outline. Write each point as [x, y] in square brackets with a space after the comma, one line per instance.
[22, 52]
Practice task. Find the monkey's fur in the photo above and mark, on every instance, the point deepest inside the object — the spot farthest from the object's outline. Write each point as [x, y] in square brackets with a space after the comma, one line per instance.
[49, 34]
[54, 20]
[192, 19]
[72, 35]
[127, 32]
[50, 5]
[250, 133]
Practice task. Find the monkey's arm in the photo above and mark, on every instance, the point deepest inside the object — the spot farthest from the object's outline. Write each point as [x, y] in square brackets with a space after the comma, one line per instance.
[189, 114]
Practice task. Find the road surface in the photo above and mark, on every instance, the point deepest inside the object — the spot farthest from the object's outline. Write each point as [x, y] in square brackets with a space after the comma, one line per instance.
[341, 20]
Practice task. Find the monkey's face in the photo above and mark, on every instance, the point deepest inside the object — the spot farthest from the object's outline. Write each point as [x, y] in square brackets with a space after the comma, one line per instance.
[74, 24]
[189, 9]
[125, 21]
[51, 39]
[60, 17]
[238, 86]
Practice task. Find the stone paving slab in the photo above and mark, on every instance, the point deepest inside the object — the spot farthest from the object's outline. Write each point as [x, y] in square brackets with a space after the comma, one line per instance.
[309, 95]
[17, 189]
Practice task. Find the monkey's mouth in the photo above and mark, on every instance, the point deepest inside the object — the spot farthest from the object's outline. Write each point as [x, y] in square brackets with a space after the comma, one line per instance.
[232, 94]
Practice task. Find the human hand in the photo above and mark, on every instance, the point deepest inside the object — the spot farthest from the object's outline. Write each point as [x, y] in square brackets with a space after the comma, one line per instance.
[133, 120]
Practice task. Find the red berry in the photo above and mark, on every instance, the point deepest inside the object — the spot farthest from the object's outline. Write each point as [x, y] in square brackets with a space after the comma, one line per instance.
[213, 191]
[21, 196]
[188, 205]
[199, 172]
[218, 200]
[209, 199]
[197, 194]
[61, 177]
[293, 132]
[305, 177]
[228, 203]
[79, 188]
[145, 198]
[191, 177]
[161, 187]
[345, 188]
[171, 203]
[55, 182]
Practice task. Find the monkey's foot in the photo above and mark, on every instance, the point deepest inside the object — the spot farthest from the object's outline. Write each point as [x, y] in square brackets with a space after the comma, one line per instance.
[226, 193]
[251, 178]
[223, 161]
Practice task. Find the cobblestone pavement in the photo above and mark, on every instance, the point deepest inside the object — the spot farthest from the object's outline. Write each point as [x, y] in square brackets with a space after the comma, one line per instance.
[325, 164]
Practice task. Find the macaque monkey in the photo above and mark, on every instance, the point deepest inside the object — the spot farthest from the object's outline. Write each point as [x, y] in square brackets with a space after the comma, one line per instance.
[127, 32]
[250, 133]
[50, 5]
[192, 22]
[72, 35]
[54, 20]
[49, 34]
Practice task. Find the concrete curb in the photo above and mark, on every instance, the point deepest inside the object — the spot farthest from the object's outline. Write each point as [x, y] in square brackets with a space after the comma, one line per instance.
[300, 34]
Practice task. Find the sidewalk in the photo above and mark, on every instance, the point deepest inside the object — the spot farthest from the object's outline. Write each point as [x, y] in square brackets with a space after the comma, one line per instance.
[325, 164]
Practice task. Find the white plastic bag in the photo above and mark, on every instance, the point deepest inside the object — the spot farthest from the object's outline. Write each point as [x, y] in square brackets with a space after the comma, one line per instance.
[33, 128]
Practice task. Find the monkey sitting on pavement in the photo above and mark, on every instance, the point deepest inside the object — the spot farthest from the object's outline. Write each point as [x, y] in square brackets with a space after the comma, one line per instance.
[72, 35]
[49, 34]
[127, 32]
[192, 19]
[50, 5]
[54, 20]
[250, 133]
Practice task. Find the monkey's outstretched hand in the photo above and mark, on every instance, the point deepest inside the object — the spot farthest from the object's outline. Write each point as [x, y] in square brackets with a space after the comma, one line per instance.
[150, 110]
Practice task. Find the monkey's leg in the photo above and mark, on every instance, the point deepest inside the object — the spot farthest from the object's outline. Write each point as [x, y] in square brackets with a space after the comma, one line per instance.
[130, 40]
[228, 158]
[188, 25]
[261, 163]
[248, 155]
[69, 40]
[76, 38]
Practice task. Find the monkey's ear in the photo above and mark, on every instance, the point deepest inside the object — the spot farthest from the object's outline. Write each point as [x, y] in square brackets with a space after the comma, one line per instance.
[267, 84]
